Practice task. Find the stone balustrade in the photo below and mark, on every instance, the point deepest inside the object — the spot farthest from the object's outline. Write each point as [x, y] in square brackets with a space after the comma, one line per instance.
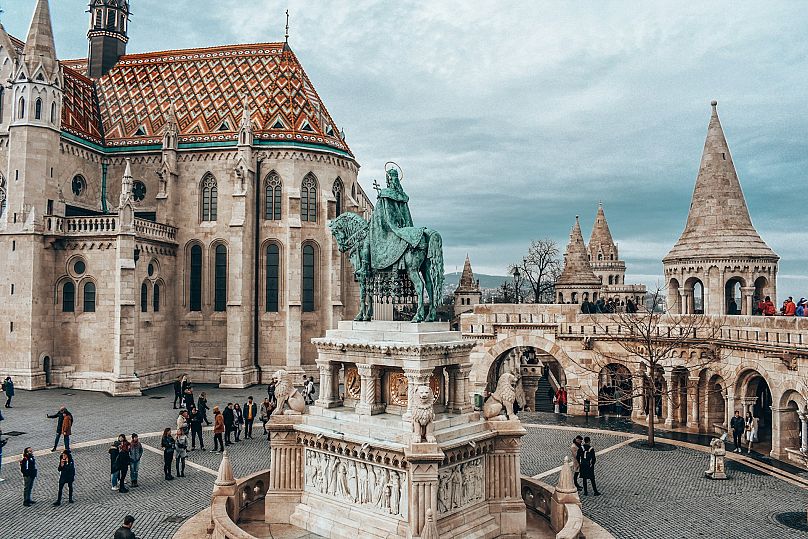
[156, 231]
[538, 497]
[105, 225]
[225, 510]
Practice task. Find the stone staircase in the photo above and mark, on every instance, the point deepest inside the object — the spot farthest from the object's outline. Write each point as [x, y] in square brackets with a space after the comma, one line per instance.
[544, 403]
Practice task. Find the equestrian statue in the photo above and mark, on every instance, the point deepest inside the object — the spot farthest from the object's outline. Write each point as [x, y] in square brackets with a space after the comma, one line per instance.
[391, 244]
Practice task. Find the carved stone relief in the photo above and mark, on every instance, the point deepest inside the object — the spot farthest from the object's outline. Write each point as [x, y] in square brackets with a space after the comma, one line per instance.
[374, 488]
[461, 485]
[352, 383]
[398, 384]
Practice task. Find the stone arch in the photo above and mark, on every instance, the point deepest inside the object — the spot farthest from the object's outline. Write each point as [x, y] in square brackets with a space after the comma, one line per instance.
[615, 390]
[753, 383]
[47, 367]
[733, 295]
[695, 296]
[712, 400]
[788, 433]
[674, 299]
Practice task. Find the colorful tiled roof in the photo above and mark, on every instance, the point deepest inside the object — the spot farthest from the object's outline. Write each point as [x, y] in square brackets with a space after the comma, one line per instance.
[80, 113]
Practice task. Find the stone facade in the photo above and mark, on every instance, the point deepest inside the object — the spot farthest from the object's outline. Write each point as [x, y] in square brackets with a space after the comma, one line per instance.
[148, 214]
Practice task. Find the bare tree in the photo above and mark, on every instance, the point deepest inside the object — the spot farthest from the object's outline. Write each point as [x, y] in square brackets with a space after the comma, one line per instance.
[645, 344]
[506, 293]
[540, 269]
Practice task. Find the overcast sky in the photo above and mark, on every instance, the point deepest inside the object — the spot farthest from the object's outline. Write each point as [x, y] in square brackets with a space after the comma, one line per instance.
[509, 118]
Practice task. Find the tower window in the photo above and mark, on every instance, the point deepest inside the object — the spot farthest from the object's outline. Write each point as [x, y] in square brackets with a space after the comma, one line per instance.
[209, 198]
[273, 197]
[89, 298]
[38, 109]
[111, 19]
[273, 274]
[99, 18]
[156, 298]
[53, 113]
[308, 279]
[337, 190]
[220, 279]
[308, 198]
[68, 297]
[79, 185]
[21, 108]
[195, 283]
[138, 191]
[144, 298]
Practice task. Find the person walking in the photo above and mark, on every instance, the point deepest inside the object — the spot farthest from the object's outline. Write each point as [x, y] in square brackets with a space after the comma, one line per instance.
[113, 450]
[238, 421]
[177, 392]
[8, 387]
[266, 411]
[125, 531]
[586, 460]
[271, 391]
[202, 407]
[29, 471]
[738, 426]
[64, 425]
[229, 419]
[135, 454]
[181, 452]
[250, 411]
[122, 464]
[168, 444]
[67, 474]
[576, 466]
[218, 430]
[196, 429]
[751, 427]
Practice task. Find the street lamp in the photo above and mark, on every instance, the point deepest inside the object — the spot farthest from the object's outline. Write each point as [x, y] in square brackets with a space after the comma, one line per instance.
[516, 282]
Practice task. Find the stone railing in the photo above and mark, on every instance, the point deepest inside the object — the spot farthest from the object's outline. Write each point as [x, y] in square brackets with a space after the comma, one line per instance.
[538, 497]
[106, 225]
[225, 510]
[156, 231]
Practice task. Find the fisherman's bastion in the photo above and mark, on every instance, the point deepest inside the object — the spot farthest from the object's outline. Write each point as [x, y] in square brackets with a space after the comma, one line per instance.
[197, 214]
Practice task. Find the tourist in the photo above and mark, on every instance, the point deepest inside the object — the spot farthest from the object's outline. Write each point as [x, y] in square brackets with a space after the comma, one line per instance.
[196, 429]
[789, 308]
[631, 308]
[8, 387]
[733, 307]
[168, 445]
[737, 425]
[561, 394]
[185, 383]
[125, 531]
[556, 404]
[122, 463]
[271, 391]
[250, 413]
[310, 389]
[229, 418]
[188, 394]
[182, 421]
[113, 451]
[751, 427]
[266, 411]
[768, 307]
[802, 308]
[181, 452]
[202, 406]
[576, 466]
[238, 420]
[3, 442]
[28, 469]
[135, 454]
[64, 424]
[586, 460]
[67, 474]
[218, 430]
[177, 392]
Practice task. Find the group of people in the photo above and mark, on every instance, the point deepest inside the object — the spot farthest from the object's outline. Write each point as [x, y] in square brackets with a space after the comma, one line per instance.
[766, 307]
[611, 305]
[583, 464]
[744, 429]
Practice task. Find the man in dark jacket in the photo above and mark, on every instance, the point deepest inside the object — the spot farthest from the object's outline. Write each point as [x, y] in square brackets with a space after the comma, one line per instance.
[28, 469]
[738, 426]
[196, 429]
[8, 387]
[67, 474]
[250, 411]
[125, 531]
[586, 460]
[229, 419]
[177, 392]
[60, 427]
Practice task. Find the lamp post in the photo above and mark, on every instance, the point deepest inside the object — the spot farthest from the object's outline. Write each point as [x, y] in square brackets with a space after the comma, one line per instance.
[516, 282]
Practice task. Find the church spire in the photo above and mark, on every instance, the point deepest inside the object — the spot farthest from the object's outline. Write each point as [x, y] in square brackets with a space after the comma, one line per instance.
[577, 269]
[108, 35]
[467, 277]
[40, 47]
[718, 222]
[600, 241]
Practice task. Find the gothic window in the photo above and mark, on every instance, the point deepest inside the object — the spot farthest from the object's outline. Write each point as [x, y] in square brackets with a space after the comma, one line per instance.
[195, 283]
[99, 18]
[1, 105]
[38, 109]
[309, 278]
[79, 185]
[273, 197]
[79, 267]
[220, 279]
[353, 191]
[600, 256]
[610, 279]
[156, 298]
[21, 108]
[89, 297]
[308, 198]
[53, 113]
[138, 191]
[273, 277]
[68, 297]
[209, 198]
[337, 190]
[2, 199]
[111, 19]
[144, 298]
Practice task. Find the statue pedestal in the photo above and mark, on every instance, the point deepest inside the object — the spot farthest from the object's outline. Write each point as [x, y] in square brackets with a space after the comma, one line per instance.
[352, 466]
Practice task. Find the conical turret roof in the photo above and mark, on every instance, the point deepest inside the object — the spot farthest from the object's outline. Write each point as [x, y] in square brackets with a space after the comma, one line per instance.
[40, 45]
[467, 277]
[577, 269]
[718, 224]
[601, 238]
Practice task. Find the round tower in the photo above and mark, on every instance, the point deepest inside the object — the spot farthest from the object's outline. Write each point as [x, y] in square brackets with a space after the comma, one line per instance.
[577, 281]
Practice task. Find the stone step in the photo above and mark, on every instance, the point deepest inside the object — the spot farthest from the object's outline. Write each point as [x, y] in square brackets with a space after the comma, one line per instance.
[460, 433]
[476, 523]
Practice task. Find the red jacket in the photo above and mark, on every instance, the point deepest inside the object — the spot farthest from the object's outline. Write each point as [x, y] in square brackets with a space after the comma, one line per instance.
[768, 308]
[790, 308]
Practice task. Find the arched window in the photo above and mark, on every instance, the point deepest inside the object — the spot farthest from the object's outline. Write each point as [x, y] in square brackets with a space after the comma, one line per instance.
[99, 18]
[195, 284]
[21, 108]
[144, 298]
[111, 19]
[273, 197]
[308, 198]
[309, 279]
[273, 277]
[53, 112]
[337, 190]
[600, 256]
[38, 109]
[209, 198]
[68, 297]
[156, 298]
[2, 199]
[220, 279]
[89, 297]
[1, 105]
[610, 279]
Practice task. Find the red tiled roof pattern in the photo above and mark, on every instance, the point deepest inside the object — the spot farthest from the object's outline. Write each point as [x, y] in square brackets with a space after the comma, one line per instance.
[208, 87]
[80, 114]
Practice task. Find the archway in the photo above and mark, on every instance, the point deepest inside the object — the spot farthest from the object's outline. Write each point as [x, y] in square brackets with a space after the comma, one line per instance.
[733, 300]
[674, 299]
[697, 301]
[716, 412]
[761, 284]
[678, 395]
[756, 397]
[790, 435]
[46, 366]
[615, 390]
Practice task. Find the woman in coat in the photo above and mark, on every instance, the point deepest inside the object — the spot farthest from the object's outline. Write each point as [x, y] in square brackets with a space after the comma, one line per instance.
[751, 431]
[181, 452]
[168, 445]
[122, 463]
[586, 460]
[238, 420]
[67, 474]
[202, 407]
[114, 449]
[218, 430]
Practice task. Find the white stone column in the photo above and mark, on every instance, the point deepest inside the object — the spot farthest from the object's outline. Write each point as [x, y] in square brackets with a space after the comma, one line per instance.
[747, 293]
[370, 390]
[693, 403]
[669, 382]
[329, 385]
[803, 430]
[459, 378]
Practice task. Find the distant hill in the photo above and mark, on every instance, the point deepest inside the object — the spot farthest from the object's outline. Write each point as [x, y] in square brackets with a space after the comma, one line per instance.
[486, 281]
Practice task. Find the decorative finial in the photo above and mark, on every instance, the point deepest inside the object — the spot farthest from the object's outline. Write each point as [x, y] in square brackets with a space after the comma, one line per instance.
[286, 37]
[713, 103]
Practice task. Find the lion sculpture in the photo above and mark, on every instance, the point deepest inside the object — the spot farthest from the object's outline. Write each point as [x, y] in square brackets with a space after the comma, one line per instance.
[287, 393]
[502, 399]
[423, 415]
